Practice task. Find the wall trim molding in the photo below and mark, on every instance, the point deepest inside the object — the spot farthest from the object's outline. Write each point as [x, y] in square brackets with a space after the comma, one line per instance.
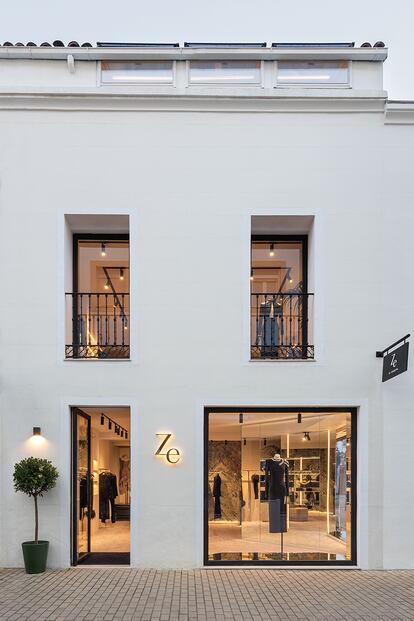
[131, 102]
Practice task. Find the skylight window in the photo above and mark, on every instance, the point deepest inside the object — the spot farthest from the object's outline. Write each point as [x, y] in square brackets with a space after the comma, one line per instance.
[137, 72]
[313, 73]
[225, 72]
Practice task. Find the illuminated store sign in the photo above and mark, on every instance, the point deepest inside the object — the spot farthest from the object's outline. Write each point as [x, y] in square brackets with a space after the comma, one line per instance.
[172, 455]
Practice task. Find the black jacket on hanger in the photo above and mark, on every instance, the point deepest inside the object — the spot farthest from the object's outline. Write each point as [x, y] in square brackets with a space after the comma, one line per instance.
[108, 491]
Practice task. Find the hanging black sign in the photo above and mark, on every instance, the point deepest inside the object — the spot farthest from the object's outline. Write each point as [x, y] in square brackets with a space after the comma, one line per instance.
[395, 361]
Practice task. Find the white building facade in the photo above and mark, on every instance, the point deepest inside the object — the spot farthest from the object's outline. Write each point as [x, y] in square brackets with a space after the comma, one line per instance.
[208, 242]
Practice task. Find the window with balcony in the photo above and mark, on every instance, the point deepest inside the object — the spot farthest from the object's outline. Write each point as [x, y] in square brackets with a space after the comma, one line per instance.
[313, 73]
[225, 72]
[281, 305]
[97, 308]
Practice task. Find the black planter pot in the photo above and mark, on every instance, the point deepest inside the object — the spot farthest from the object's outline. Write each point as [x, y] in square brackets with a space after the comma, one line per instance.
[35, 556]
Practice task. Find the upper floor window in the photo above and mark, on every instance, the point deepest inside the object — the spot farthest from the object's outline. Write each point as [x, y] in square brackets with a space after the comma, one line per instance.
[225, 72]
[97, 308]
[281, 304]
[312, 73]
[137, 72]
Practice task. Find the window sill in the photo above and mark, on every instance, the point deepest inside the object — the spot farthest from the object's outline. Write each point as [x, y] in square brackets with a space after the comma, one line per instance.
[97, 359]
[279, 360]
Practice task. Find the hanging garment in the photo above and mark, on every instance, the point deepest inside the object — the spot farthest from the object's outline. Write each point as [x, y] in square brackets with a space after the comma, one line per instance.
[217, 495]
[108, 491]
[277, 490]
[124, 475]
[268, 334]
[255, 481]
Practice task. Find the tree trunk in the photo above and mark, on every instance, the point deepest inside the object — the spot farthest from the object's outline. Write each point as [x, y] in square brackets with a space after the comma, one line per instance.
[36, 521]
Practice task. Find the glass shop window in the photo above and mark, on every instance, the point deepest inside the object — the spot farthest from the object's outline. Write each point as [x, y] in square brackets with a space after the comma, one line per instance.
[137, 72]
[225, 72]
[313, 73]
[279, 487]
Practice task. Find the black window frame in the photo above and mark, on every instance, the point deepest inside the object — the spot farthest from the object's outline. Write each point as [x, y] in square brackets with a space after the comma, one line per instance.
[206, 490]
[302, 239]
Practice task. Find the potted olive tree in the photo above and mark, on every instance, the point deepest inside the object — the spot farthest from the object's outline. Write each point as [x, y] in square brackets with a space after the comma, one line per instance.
[34, 477]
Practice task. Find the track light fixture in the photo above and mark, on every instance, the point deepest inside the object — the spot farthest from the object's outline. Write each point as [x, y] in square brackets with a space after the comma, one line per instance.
[118, 429]
[103, 250]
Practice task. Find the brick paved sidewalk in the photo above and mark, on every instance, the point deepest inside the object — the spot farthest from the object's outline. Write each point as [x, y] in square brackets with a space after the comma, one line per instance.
[90, 594]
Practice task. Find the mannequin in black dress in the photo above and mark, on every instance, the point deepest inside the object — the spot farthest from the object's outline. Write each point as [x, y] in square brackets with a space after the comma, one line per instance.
[277, 491]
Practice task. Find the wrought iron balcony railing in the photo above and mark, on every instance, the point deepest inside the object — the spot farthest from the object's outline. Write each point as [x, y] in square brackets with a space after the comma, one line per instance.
[98, 325]
[281, 325]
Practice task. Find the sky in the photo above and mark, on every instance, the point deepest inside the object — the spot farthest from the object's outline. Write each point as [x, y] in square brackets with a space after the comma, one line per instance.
[223, 20]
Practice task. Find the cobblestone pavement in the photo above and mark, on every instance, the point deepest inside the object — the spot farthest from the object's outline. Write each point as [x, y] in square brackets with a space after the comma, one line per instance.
[90, 594]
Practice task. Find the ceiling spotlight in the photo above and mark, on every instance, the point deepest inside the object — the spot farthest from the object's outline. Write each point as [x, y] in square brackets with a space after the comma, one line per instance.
[106, 285]
[122, 433]
[272, 250]
[102, 419]
[109, 424]
[241, 418]
[126, 435]
[289, 275]
[125, 324]
[299, 417]
[121, 274]
[251, 274]
[244, 441]
[103, 250]
[306, 437]
[264, 442]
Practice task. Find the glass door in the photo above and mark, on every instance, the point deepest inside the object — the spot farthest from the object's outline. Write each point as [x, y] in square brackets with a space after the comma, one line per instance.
[81, 485]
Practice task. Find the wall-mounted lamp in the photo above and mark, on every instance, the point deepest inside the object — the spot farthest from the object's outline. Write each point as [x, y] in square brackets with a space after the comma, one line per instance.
[37, 431]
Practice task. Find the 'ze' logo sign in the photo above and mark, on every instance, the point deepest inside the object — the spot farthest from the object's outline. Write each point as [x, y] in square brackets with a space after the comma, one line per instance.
[173, 455]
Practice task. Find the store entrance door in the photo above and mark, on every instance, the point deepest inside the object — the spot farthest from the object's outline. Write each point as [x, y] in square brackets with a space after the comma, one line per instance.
[101, 485]
[81, 486]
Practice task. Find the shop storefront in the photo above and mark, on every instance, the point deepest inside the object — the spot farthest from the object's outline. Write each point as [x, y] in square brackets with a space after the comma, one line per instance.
[280, 486]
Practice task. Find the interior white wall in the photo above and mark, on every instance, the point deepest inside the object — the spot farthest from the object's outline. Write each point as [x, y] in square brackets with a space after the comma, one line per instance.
[191, 183]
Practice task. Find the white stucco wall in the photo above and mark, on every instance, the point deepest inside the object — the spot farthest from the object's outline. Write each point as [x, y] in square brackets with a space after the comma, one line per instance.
[190, 182]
